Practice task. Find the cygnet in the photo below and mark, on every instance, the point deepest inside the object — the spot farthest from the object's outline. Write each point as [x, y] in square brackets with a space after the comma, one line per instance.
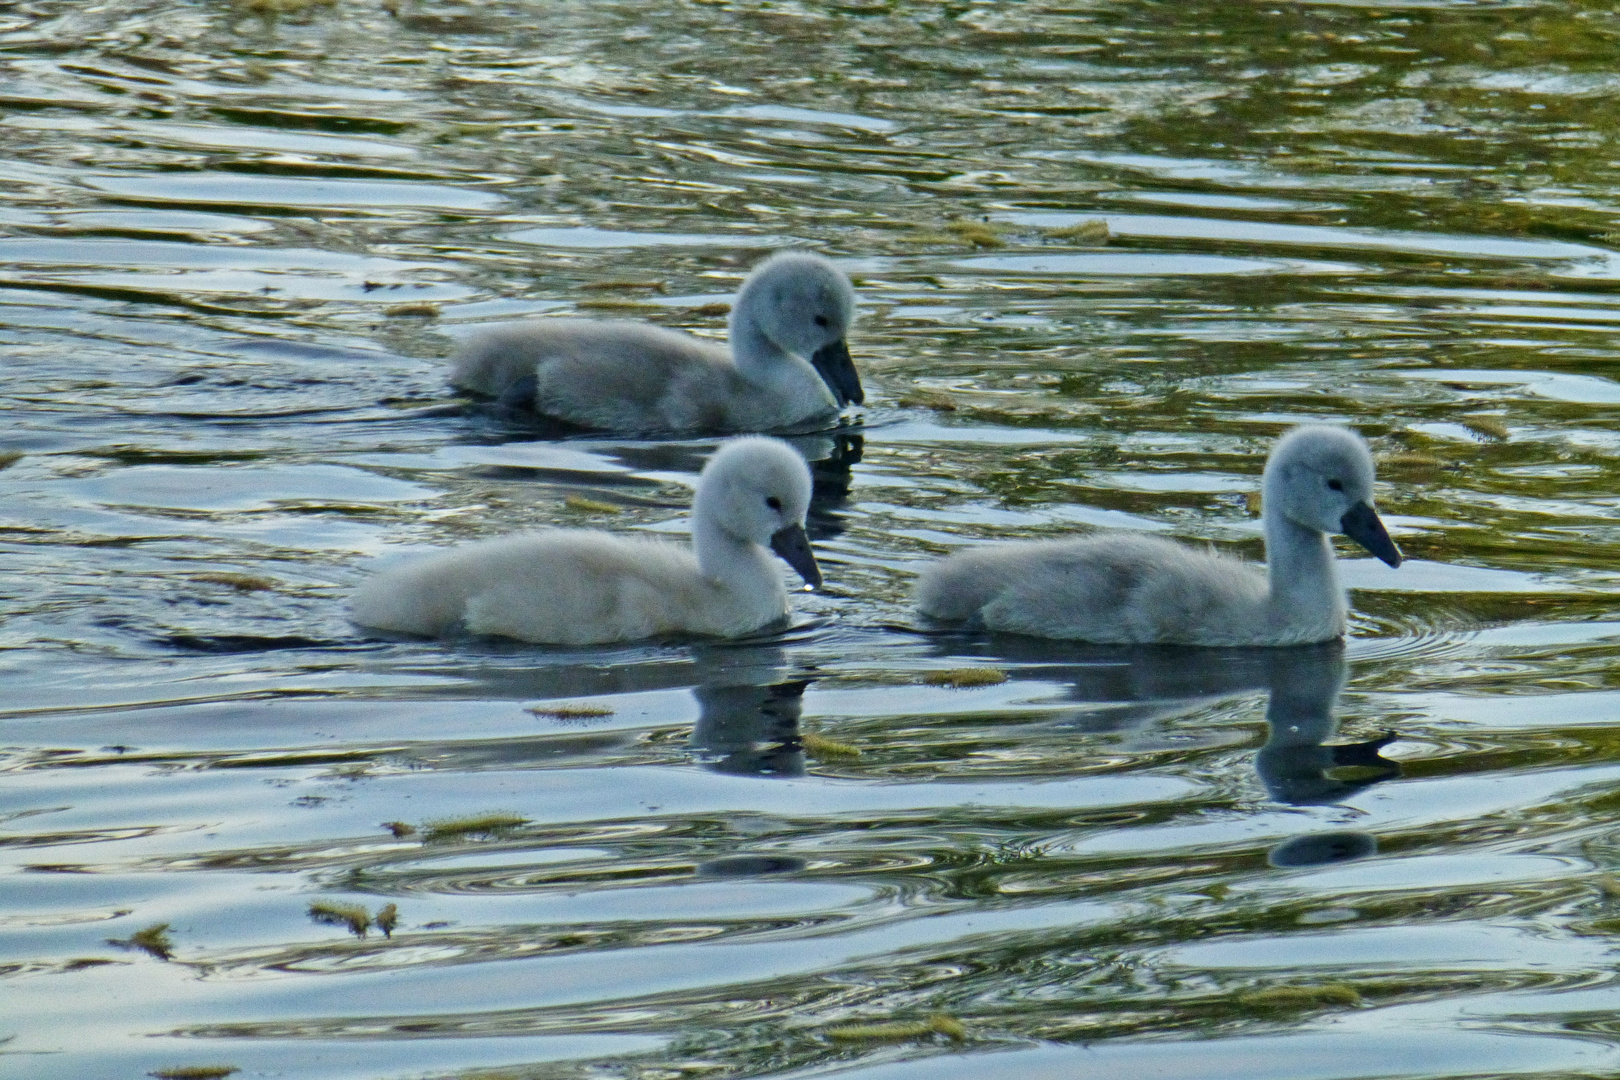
[1136, 589]
[787, 366]
[577, 587]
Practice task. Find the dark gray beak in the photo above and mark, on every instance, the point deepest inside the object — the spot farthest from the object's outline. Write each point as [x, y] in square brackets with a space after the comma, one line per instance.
[1360, 523]
[794, 546]
[837, 370]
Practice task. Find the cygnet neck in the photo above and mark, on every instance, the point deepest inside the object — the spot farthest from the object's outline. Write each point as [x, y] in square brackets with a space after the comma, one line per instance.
[762, 361]
[730, 561]
[1305, 592]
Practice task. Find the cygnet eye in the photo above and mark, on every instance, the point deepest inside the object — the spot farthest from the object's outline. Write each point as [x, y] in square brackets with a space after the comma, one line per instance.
[821, 320]
[773, 502]
[1335, 485]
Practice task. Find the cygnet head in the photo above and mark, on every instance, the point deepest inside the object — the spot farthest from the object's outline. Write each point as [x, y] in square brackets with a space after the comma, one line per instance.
[757, 490]
[1322, 478]
[804, 304]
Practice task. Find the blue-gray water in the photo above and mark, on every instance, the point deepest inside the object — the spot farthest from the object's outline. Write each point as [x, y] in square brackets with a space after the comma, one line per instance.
[234, 253]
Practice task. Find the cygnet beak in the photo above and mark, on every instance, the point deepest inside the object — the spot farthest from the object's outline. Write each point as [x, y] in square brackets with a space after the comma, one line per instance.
[832, 362]
[1360, 523]
[793, 545]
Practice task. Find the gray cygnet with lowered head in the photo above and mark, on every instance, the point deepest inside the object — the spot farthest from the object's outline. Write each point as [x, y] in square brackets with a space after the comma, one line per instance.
[1136, 589]
[787, 365]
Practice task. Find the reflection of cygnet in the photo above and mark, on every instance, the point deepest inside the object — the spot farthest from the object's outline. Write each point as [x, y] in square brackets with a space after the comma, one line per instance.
[578, 587]
[787, 363]
[1133, 588]
[748, 710]
[754, 728]
[1294, 763]
[1318, 849]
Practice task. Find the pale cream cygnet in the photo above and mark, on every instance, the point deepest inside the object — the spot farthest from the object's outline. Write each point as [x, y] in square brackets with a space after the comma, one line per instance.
[1137, 589]
[576, 587]
[787, 365]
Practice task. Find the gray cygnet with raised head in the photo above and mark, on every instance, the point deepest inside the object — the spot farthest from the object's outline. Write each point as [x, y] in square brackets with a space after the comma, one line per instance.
[1136, 589]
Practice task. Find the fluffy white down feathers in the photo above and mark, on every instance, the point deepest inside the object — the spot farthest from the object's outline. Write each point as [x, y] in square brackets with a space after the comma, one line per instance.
[570, 586]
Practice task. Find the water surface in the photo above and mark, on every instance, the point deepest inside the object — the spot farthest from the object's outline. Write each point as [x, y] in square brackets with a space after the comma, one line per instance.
[235, 251]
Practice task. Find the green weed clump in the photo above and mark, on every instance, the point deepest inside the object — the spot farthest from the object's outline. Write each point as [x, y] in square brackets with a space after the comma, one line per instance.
[965, 676]
[1411, 459]
[486, 826]
[923, 397]
[825, 749]
[1491, 427]
[591, 506]
[1297, 998]
[1092, 231]
[270, 10]
[976, 233]
[353, 916]
[569, 710]
[154, 940]
[608, 303]
[899, 1030]
[232, 580]
[84, 963]
[603, 286]
[412, 311]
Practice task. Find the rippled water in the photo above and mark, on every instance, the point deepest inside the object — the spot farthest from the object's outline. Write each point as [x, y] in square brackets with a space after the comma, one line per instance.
[235, 249]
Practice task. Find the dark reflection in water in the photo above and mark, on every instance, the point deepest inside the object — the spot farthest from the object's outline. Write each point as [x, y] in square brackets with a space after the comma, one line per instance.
[1297, 764]
[496, 669]
[831, 457]
[511, 671]
[749, 718]
[1316, 849]
[670, 457]
[754, 728]
[728, 866]
[749, 700]
[630, 471]
[242, 643]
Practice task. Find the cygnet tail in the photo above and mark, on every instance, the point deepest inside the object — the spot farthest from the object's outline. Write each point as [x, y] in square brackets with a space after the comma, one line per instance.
[493, 363]
[957, 588]
[405, 601]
